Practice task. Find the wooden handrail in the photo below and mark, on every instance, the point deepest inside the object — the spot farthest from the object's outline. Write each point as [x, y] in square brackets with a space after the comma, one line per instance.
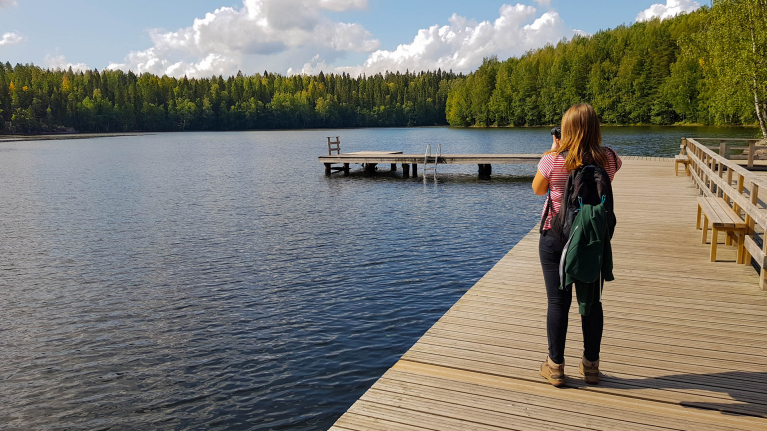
[724, 145]
[721, 159]
[759, 215]
[707, 169]
[725, 139]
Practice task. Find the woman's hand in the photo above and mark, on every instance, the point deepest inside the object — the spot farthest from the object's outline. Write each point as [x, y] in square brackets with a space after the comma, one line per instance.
[555, 144]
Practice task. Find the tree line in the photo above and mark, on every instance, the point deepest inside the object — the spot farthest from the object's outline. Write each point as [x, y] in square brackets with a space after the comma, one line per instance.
[705, 67]
[34, 100]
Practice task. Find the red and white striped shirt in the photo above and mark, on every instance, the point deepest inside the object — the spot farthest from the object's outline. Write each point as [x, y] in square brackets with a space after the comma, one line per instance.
[552, 167]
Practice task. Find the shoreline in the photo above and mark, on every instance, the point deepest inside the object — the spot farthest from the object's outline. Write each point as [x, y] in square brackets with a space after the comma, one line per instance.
[66, 136]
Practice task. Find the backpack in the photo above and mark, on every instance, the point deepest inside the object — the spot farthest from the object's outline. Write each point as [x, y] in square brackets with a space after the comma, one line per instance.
[589, 184]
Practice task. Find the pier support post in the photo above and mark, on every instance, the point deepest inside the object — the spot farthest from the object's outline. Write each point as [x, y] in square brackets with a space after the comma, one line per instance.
[415, 170]
[405, 170]
[346, 169]
[394, 167]
[327, 169]
[485, 171]
[370, 168]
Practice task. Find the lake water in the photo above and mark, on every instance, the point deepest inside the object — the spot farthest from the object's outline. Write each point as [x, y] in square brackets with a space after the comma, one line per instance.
[220, 280]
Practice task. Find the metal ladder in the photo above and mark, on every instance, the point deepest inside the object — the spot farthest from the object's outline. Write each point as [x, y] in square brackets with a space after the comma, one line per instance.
[427, 155]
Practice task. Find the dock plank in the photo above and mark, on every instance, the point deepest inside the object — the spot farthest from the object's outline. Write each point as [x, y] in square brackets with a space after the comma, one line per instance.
[683, 348]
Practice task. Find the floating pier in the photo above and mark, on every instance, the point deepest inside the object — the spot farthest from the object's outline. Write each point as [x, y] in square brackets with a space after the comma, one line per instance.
[409, 162]
[684, 343]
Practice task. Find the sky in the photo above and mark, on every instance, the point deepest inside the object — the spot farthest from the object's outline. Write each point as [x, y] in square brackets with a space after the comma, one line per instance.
[200, 38]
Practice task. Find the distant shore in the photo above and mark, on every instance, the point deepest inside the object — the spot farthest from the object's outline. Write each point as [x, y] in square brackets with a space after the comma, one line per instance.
[65, 136]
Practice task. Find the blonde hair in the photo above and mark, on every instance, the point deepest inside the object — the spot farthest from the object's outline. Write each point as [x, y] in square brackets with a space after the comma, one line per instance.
[581, 137]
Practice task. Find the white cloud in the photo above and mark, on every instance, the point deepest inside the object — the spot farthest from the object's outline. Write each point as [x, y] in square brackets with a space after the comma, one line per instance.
[60, 62]
[298, 36]
[342, 5]
[7, 3]
[262, 34]
[463, 43]
[11, 38]
[544, 3]
[671, 9]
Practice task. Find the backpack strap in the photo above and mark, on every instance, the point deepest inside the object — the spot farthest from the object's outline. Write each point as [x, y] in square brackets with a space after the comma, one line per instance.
[549, 203]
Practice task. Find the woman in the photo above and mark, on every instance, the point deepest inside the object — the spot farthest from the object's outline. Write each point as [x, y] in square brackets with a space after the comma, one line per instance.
[582, 142]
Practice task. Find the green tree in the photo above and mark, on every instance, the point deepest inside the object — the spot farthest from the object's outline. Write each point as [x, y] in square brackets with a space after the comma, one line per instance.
[737, 50]
[185, 112]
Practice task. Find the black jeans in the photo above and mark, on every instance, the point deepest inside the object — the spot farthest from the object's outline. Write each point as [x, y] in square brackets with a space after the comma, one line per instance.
[550, 251]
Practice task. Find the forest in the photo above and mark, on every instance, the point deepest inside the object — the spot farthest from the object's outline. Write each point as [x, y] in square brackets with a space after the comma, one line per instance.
[705, 67]
[37, 100]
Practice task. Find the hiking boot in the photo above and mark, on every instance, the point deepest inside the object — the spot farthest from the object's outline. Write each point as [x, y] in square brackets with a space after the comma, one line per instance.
[553, 372]
[590, 370]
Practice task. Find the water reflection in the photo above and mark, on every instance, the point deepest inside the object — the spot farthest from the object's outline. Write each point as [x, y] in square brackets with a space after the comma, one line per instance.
[221, 280]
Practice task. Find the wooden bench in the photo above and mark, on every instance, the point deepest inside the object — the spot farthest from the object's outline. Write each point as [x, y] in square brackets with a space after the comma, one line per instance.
[722, 218]
[682, 159]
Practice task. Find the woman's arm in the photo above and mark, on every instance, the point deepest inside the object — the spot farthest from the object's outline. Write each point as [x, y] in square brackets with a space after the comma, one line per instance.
[540, 184]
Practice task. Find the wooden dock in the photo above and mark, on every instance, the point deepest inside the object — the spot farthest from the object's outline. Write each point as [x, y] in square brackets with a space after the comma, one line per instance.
[371, 159]
[684, 348]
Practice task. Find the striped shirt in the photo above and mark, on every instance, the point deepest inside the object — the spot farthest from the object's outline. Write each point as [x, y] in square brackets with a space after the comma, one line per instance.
[552, 167]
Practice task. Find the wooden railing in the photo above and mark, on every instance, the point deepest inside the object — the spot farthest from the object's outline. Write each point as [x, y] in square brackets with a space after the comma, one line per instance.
[727, 148]
[717, 176]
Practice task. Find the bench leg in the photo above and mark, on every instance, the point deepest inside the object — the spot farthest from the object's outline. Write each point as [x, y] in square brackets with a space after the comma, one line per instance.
[705, 229]
[746, 254]
[714, 240]
[676, 169]
[728, 238]
[741, 246]
[697, 220]
[687, 169]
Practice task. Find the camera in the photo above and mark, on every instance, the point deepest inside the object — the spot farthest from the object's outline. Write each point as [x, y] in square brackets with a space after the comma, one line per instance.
[557, 131]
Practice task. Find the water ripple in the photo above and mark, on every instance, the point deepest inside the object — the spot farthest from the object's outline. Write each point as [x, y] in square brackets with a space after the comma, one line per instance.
[219, 280]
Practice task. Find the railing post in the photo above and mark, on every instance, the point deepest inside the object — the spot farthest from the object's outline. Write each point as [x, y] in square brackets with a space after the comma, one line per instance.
[723, 149]
[699, 167]
[735, 206]
[753, 191]
[698, 170]
[763, 270]
[751, 149]
[719, 190]
[729, 183]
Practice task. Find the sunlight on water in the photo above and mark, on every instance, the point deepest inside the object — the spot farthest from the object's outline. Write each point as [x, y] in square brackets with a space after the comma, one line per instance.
[221, 280]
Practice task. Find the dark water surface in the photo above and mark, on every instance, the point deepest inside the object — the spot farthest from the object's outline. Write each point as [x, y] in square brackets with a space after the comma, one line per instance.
[219, 280]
